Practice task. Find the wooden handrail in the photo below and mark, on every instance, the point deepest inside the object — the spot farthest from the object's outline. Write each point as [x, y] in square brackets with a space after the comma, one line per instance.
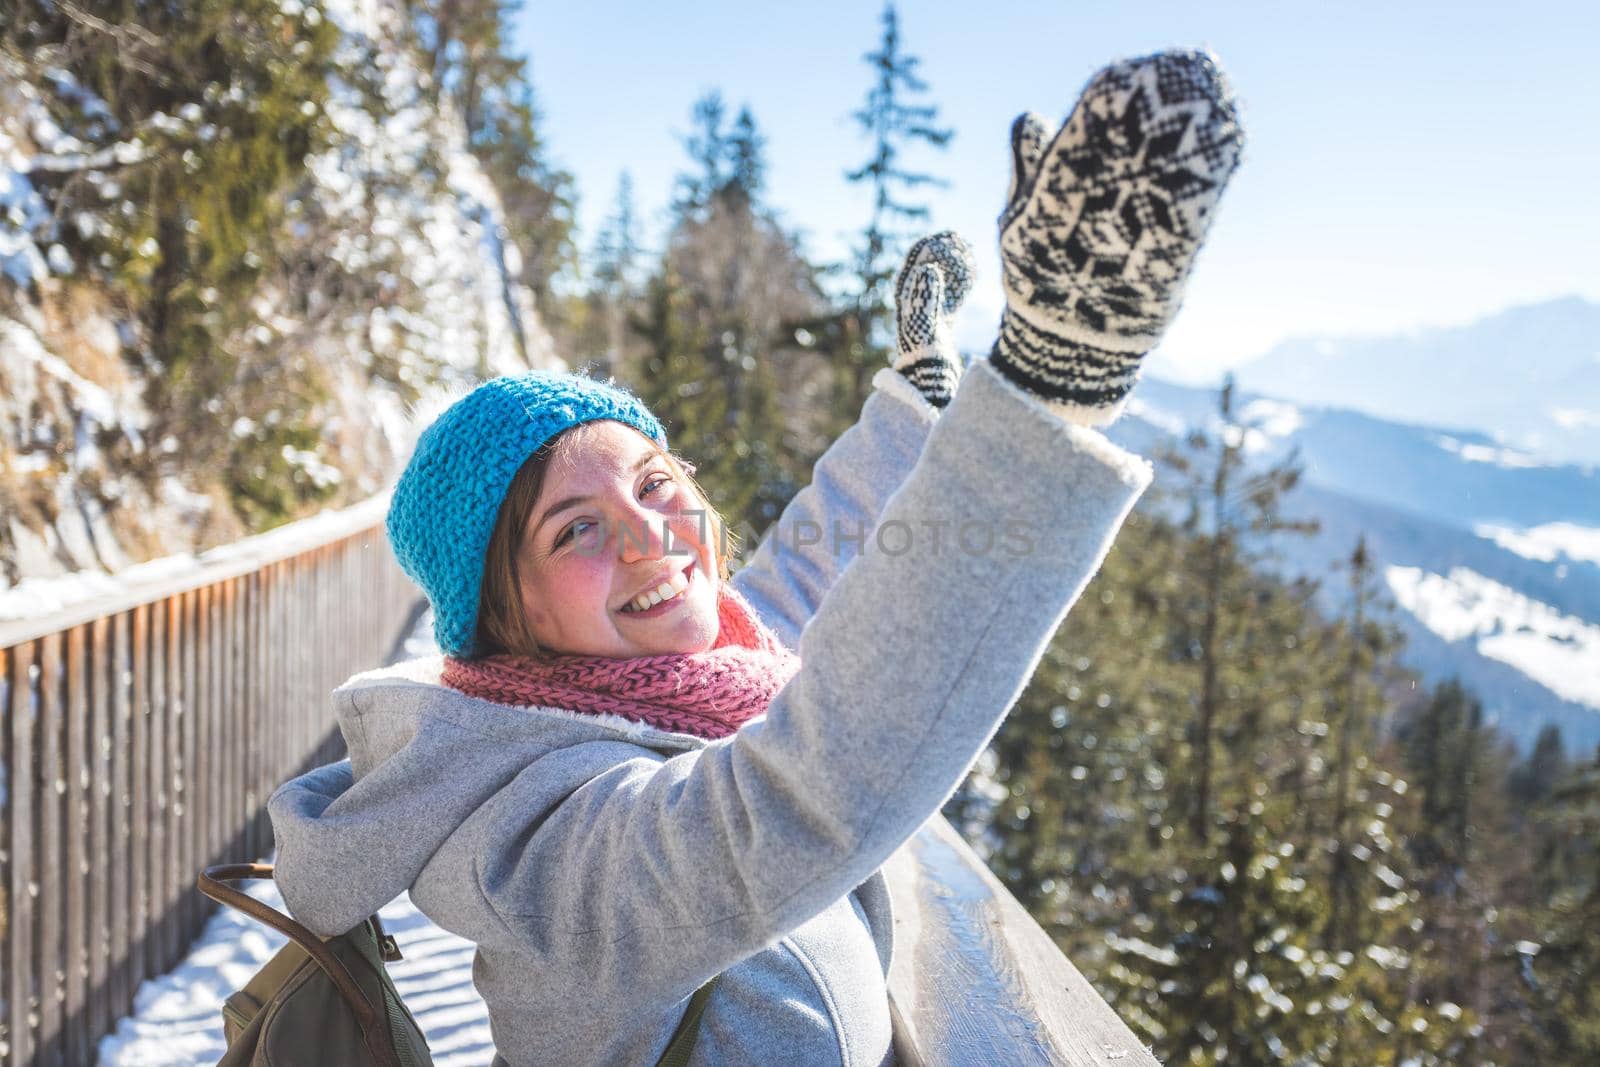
[146, 583]
[976, 980]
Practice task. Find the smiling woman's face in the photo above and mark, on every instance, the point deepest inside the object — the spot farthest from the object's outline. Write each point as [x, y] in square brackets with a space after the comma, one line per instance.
[613, 521]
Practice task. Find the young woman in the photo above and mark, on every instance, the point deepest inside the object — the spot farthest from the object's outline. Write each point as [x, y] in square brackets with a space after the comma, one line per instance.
[631, 774]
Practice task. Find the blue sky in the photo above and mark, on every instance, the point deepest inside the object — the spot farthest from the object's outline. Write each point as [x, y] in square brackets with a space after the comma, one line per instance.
[1409, 164]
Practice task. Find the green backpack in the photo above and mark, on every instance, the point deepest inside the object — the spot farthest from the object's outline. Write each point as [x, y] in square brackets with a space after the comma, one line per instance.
[331, 1000]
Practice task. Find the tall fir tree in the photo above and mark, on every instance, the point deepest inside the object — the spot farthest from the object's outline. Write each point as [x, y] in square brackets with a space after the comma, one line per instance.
[467, 50]
[1545, 961]
[1564, 972]
[707, 145]
[719, 357]
[894, 124]
[596, 333]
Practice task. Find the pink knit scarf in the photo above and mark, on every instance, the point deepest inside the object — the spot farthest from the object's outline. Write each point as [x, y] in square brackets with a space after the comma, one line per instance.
[709, 694]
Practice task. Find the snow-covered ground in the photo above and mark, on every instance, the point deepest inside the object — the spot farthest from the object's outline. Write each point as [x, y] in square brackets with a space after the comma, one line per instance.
[1548, 542]
[1560, 652]
[177, 1018]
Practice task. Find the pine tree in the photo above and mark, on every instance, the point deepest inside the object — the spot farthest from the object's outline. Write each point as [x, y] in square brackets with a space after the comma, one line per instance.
[1230, 510]
[211, 110]
[707, 147]
[747, 167]
[894, 125]
[1561, 968]
[1368, 644]
[719, 360]
[474, 68]
[1532, 781]
[595, 332]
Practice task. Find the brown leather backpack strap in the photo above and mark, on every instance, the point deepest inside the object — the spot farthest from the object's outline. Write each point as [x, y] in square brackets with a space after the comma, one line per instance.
[373, 1028]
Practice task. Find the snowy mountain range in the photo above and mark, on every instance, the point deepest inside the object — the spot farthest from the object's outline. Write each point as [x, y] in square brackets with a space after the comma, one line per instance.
[1490, 554]
[1528, 375]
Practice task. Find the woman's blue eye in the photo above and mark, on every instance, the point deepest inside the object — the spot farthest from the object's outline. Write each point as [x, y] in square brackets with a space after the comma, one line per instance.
[571, 531]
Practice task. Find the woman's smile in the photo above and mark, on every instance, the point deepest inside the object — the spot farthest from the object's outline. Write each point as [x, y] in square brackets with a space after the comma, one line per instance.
[664, 597]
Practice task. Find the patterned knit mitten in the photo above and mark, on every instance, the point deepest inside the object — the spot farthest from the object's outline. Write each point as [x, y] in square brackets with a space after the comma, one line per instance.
[933, 281]
[1102, 225]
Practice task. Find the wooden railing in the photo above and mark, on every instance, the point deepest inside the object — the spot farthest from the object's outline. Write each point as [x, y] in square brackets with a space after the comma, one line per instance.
[976, 980]
[144, 732]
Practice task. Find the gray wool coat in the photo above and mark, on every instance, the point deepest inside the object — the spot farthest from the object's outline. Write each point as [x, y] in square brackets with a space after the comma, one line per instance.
[605, 869]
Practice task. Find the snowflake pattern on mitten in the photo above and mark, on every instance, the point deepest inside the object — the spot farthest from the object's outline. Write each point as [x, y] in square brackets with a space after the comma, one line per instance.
[1103, 225]
[933, 281]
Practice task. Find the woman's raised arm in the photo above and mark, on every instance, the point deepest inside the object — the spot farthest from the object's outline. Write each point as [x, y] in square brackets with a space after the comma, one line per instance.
[823, 528]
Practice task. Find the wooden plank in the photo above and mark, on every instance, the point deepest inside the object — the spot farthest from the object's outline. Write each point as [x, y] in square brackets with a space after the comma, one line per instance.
[171, 919]
[266, 725]
[120, 889]
[305, 569]
[310, 601]
[280, 657]
[349, 623]
[291, 651]
[205, 731]
[49, 948]
[20, 976]
[156, 899]
[5, 860]
[252, 735]
[182, 704]
[259, 721]
[139, 814]
[245, 692]
[235, 598]
[288, 653]
[75, 870]
[221, 687]
[222, 707]
[247, 695]
[305, 605]
[327, 645]
[190, 821]
[311, 722]
[103, 1011]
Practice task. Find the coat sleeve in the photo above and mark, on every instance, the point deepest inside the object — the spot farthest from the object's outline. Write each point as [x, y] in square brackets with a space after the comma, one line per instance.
[824, 525]
[651, 876]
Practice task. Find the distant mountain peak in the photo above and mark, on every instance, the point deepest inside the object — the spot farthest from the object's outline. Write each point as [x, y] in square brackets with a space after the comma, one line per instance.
[1527, 375]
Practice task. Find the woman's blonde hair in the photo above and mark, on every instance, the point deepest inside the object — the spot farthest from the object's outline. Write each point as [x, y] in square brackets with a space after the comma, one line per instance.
[502, 625]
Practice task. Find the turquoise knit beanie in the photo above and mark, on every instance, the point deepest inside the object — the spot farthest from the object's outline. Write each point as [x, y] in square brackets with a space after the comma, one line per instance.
[445, 504]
